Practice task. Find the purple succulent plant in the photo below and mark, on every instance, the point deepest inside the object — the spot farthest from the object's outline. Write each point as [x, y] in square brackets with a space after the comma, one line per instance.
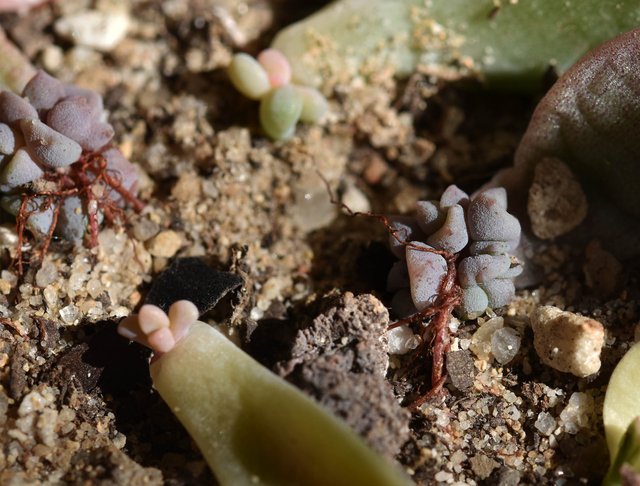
[479, 226]
[54, 153]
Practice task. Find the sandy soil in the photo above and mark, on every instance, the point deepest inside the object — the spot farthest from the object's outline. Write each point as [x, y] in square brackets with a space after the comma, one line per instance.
[76, 404]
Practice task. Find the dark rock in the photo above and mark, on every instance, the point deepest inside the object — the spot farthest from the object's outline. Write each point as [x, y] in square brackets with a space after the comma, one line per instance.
[191, 279]
[340, 360]
[461, 369]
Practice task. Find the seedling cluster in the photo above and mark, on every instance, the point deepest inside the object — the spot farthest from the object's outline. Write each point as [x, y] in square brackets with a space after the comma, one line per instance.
[59, 173]
[282, 104]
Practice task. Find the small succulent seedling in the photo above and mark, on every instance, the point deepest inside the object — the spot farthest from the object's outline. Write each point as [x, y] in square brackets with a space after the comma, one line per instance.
[282, 104]
[481, 225]
[427, 282]
[59, 172]
[251, 426]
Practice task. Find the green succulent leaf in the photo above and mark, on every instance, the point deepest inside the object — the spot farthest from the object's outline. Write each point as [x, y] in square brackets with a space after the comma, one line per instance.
[625, 469]
[510, 44]
[253, 427]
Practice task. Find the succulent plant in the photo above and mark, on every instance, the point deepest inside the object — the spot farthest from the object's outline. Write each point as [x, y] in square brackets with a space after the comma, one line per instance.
[225, 399]
[282, 104]
[505, 44]
[58, 170]
[480, 226]
[588, 120]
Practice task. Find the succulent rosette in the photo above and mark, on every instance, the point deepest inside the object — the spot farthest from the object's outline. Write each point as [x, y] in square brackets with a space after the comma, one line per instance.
[58, 169]
[480, 228]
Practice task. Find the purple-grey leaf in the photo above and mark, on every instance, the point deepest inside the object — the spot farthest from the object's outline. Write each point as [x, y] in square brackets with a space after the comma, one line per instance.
[121, 170]
[50, 147]
[406, 229]
[74, 117]
[20, 170]
[454, 195]
[452, 236]
[426, 272]
[43, 91]
[41, 218]
[500, 291]
[489, 221]
[481, 268]
[13, 108]
[8, 141]
[72, 220]
[474, 301]
[429, 216]
[489, 247]
[94, 100]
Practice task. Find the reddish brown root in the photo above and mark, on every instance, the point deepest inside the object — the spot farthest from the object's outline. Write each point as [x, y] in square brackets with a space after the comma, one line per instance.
[440, 312]
[82, 179]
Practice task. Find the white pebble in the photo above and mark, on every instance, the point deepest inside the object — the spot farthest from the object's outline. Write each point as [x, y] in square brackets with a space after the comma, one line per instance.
[401, 340]
[99, 30]
[545, 423]
[505, 343]
[566, 341]
[481, 339]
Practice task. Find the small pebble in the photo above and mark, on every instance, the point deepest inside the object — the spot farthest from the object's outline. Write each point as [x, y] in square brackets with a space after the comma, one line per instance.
[92, 28]
[165, 244]
[545, 423]
[460, 369]
[401, 340]
[481, 339]
[566, 341]
[505, 343]
[602, 271]
[557, 203]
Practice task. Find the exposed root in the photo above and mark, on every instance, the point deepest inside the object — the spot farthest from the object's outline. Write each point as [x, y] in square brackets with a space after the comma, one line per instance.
[89, 180]
[439, 313]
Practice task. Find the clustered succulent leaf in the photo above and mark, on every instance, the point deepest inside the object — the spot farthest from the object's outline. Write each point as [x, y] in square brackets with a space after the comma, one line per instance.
[282, 104]
[480, 227]
[43, 133]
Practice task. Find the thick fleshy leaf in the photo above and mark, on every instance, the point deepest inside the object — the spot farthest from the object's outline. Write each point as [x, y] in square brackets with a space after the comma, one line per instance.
[474, 270]
[8, 141]
[489, 221]
[405, 230]
[426, 273]
[452, 236]
[13, 108]
[72, 220]
[20, 170]
[429, 216]
[454, 195]
[500, 291]
[94, 100]
[506, 43]
[41, 218]
[43, 91]
[248, 76]
[74, 117]
[50, 147]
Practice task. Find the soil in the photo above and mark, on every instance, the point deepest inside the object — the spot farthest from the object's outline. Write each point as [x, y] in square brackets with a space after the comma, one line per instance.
[76, 402]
